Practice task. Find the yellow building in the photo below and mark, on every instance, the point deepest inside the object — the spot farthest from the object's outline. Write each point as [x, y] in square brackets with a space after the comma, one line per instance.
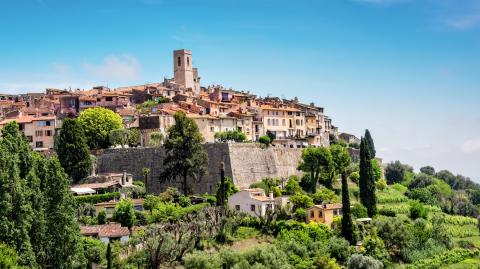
[324, 213]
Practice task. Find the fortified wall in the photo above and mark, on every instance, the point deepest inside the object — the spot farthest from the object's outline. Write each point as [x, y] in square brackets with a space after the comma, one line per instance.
[245, 163]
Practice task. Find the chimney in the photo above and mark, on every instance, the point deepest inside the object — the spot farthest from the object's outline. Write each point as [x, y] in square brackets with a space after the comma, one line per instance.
[124, 177]
[270, 194]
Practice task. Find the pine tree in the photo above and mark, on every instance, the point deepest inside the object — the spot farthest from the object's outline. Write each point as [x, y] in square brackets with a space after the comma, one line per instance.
[367, 182]
[347, 224]
[72, 150]
[185, 155]
[371, 145]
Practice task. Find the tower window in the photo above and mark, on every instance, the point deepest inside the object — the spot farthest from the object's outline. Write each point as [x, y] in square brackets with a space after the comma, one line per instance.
[188, 61]
[179, 61]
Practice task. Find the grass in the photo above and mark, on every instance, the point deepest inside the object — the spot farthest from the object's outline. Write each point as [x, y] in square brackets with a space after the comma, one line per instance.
[465, 264]
[245, 233]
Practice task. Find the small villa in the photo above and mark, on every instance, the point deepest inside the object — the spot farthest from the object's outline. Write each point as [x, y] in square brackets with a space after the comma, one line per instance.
[109, 207]
[107, 232]
[324, 213]
[252, 201]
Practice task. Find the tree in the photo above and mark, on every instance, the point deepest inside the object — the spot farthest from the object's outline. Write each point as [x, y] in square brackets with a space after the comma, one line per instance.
[109, 256]
[293, 186]
[73, 150]
[371, 145]
[230, 189]
[271, 135]
[124, 213]
[185, 155]
[395, 172]
[377, 169]
[347, 225]
[156, 138]
[318, 163]
[358, 261]
[236, 136]
[64, 249]
[97, 124]
[102, 217]
[428, 170]
[367, 182]
[146, 171]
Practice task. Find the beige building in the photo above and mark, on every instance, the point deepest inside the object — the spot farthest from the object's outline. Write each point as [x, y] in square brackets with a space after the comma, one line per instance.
[324, 213]
[184, 73]
[38, 130]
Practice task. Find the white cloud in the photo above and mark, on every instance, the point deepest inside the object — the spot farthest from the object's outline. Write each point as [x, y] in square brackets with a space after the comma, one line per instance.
[123, 67]
[471, 145]
[464, 22]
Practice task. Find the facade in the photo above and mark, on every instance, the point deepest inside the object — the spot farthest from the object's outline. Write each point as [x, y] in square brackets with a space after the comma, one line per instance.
[38, 130]
[252, 201]
[324, 213]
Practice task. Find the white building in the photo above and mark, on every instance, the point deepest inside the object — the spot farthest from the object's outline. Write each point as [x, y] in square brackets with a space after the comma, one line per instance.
[252, 201]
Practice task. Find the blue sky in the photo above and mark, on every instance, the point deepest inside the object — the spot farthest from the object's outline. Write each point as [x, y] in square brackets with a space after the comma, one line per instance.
[409, 70]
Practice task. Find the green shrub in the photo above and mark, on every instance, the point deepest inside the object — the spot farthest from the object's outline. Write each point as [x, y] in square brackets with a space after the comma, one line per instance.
[102, 217]
[449, 257]
[300, 214]
[358, 261]
[417, 210]
[265, 140]
[387, 212]
[355, 176]
[198, 260]
[301, 201]
[359, 211]
[96, 198]
[423, 195]
[381, 184]
[325, 196]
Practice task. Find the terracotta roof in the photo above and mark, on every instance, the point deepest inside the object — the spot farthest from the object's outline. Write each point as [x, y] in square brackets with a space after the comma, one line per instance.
[107, 230]
[102, 185]
[328, 206]
[135, 202]
[27, 119]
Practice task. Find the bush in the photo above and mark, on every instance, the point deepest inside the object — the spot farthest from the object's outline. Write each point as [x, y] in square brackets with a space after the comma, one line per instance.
[198, 260]
[417, 210]
[381, 184]
[355, 176]
[358, 261]
[325, 262]
[97, 198]
[102, 217]
[421, 181]
[300, 214]
[265, 140]
[359, 211]
[184, 201]
[395, 172]
[293, 186]
[339, 248]
[423, 195]
[236, 136]
[301, 201]
[325, 195]
[387, 212]
[449, 257]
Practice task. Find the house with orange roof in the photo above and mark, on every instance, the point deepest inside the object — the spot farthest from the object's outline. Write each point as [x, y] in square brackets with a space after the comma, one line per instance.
[324, 213]
[38, 130]
[252, 201]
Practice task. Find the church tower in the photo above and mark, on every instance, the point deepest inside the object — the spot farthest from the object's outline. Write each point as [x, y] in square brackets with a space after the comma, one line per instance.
[182, 68]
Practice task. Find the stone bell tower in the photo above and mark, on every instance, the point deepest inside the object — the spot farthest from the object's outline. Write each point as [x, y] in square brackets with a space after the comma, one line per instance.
[182, 68]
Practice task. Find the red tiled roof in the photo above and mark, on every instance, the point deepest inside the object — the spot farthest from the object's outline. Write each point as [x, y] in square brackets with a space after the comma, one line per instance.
[107, 230]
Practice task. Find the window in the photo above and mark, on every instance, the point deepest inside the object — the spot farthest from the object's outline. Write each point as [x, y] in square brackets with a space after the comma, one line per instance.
[283, 122]
[268, 122]
[48, 123]
[211, 129]
[30, 138]
[48, 133]
[39, 144]
[179, 61]
[335, 212]
[188, 61]
[252, 207]
[39, 133]
[237, 207]
[312, 214]
[320, 214]
[109, 99]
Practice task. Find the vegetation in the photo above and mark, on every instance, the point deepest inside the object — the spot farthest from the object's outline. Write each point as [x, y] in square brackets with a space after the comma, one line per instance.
[236, 136]
[96, 198]
[367, 181]
[72, 150]
[125, 137]
[318, 163]
[265, 140]
[97, 124]
[185, 156]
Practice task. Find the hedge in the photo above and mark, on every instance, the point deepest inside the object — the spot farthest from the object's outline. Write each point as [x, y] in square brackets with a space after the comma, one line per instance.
[97, 198]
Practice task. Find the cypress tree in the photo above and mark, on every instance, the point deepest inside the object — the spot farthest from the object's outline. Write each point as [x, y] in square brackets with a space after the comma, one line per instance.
[109, 256]
[367, 180]
[72, 150]
[347, 224]
[371, 145]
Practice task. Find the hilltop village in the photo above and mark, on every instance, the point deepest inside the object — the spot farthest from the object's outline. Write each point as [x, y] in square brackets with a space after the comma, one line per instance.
[150, 108]
[176, 175]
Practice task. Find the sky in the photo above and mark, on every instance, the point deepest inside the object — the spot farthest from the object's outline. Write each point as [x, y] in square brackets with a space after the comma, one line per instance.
[408, 70]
